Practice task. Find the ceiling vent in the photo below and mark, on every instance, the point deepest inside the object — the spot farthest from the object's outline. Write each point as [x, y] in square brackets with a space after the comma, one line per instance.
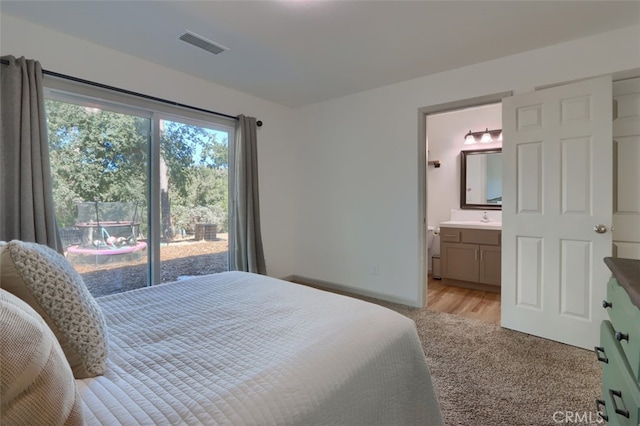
[202, 43]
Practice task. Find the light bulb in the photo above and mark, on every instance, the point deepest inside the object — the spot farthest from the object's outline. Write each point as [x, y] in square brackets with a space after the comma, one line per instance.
[469, 139]
[486, 137]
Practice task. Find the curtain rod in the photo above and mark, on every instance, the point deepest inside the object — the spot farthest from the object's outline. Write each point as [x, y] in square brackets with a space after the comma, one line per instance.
[137, 94]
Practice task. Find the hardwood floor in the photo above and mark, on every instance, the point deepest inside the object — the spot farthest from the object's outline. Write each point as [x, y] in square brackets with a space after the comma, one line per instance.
[476, 304]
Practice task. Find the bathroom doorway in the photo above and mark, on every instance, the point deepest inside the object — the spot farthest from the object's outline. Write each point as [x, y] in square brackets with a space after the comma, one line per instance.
[443, 130]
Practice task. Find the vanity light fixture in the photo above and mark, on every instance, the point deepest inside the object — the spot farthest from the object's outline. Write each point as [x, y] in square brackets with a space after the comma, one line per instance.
[485, 136]
[469, 139]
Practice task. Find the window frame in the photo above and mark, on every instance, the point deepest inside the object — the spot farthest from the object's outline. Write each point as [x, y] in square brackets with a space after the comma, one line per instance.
[86, 95]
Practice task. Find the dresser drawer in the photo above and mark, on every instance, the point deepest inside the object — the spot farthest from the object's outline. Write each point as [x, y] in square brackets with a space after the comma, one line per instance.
[620, 391]
[625, 317]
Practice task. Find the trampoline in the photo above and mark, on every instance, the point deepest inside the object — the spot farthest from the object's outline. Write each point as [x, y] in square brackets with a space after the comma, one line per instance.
[108, 232]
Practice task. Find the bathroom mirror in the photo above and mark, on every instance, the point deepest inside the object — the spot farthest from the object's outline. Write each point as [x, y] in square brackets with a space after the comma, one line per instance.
[481, 179]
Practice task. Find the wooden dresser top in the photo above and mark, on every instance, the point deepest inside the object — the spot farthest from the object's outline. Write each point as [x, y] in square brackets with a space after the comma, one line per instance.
[627, 272]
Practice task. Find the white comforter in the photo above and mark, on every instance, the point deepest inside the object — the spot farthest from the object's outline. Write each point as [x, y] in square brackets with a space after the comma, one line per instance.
[243, 349]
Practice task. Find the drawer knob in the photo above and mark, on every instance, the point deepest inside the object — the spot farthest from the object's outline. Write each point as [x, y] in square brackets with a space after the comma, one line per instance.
[622, 336]
[606, 304]
[602, 358]
[601, 413]
[618, 394]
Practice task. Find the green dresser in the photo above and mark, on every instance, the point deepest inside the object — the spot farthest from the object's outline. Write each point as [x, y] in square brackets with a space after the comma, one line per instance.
[619, 350]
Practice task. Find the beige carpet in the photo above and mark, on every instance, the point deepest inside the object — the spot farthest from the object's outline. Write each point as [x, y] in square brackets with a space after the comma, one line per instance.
[485, 375]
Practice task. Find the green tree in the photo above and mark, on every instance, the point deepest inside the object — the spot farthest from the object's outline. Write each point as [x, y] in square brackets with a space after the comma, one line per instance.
[100, 155]
[185, 150]
[95, 156]
[206, 200]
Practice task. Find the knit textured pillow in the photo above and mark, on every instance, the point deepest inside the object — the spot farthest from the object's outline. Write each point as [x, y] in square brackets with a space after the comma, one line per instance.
[37, 386]
[45, 280]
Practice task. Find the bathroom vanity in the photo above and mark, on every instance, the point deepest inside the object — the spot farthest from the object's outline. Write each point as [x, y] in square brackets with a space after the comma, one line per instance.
[470, 254]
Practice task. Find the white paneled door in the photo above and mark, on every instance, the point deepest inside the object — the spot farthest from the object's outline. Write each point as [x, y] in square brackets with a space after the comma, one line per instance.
[557, 210]
[626, 172]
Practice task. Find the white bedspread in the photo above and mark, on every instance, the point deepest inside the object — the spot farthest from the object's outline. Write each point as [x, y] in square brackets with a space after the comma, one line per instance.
[242, 349]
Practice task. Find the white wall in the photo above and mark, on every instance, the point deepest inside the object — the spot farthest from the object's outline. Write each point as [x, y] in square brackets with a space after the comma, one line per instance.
[72, 56]
[445, 140]
[358, 165]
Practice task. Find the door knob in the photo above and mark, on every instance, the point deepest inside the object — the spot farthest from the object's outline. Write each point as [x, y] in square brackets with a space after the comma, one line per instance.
[600, 229]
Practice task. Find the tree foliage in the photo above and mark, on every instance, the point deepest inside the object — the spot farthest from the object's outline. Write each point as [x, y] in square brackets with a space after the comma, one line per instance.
[99, 155]
[198, 169]
[95, 156]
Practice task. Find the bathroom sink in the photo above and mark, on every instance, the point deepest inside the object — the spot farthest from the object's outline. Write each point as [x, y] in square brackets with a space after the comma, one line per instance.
[473, 224]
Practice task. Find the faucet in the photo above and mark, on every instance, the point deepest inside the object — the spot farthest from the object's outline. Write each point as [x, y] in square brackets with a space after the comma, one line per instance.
[485, 217]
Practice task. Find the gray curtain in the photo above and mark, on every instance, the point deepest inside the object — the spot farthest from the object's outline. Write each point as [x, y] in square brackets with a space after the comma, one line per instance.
[245, 245]
[26, 199]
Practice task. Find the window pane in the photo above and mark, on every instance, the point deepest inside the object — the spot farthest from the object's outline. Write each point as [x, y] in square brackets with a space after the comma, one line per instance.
[194, 185]
[99, 168]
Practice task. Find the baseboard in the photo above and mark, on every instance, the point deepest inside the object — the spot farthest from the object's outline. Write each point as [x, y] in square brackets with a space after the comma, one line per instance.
[287, 278]
[471, 285]
[341, 287]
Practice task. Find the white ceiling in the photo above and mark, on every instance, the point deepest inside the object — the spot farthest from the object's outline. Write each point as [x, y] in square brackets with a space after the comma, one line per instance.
[297, 52]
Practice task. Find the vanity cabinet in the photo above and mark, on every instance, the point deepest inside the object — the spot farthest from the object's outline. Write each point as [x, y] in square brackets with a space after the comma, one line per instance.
[472, 255]
[619, 350]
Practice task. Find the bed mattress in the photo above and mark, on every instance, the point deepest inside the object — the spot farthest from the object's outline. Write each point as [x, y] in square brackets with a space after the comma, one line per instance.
[242, 349]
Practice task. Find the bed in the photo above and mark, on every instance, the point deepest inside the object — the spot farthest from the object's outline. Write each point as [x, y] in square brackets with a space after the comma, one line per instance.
[243, 349]
[231, 349]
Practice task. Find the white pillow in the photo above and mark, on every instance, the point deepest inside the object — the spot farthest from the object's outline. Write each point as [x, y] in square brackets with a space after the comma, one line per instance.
[45, 280]
[37, 386]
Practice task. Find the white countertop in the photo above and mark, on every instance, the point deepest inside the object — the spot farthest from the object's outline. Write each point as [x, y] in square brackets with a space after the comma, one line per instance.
[472, 224]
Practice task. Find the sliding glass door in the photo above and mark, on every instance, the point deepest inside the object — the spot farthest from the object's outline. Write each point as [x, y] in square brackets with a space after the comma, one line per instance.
[99, 162]
[194, 187]
[141, 197]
